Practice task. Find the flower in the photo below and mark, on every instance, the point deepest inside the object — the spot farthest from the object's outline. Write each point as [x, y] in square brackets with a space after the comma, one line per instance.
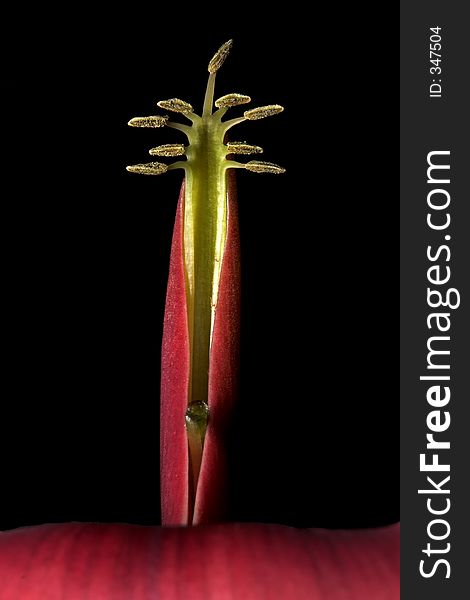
[201, 328]
[76, 561]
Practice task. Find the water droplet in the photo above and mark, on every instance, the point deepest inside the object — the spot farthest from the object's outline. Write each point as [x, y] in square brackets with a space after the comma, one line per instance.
[197, 416]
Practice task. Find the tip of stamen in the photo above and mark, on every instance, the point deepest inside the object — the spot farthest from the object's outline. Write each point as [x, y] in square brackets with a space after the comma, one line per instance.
[259, 166]
[152, 168]
[152, 121]
[168, 150]
[219, 57]
[175, 105]
[232, 100]
[243, 148]
[263, 111]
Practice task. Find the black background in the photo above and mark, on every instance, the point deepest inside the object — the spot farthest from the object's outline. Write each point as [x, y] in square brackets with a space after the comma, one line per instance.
[86, 249]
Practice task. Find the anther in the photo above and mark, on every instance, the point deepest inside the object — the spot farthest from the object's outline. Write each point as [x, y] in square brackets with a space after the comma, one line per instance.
[152, 168]
[176, 105]
[232, 100]
[168, 150]
[219, 57]
[259, 166]
[152, 121]
[262, 111]
[243, 148]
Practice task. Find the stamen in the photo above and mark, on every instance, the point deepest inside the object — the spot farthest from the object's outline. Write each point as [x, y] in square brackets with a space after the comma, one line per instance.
[262, 111]
[259, 166]
[176, 105]
[181, 164]
[232, 100]
[153, 121]
[168, 150]
[219, 57]
[152, 168]
[243, 148]
[186, 129]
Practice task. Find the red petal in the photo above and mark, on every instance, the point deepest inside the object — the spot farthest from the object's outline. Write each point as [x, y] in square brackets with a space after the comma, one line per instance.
[216, 562]
[223, 374]
[174, 386]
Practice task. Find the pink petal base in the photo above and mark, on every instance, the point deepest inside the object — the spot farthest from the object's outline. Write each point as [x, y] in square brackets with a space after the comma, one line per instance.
[79, 561]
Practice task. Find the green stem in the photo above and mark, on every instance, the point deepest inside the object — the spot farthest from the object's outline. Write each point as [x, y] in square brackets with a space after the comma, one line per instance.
[229, 124]
[209, 97]
[204, 236]
[180, 127]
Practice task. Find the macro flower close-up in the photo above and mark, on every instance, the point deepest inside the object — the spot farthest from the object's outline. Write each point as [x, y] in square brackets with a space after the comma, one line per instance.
[203, 548]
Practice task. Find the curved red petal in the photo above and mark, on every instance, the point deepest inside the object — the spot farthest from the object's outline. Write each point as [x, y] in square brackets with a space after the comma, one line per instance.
[174, 386]
[217, 562]
[223, 374]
